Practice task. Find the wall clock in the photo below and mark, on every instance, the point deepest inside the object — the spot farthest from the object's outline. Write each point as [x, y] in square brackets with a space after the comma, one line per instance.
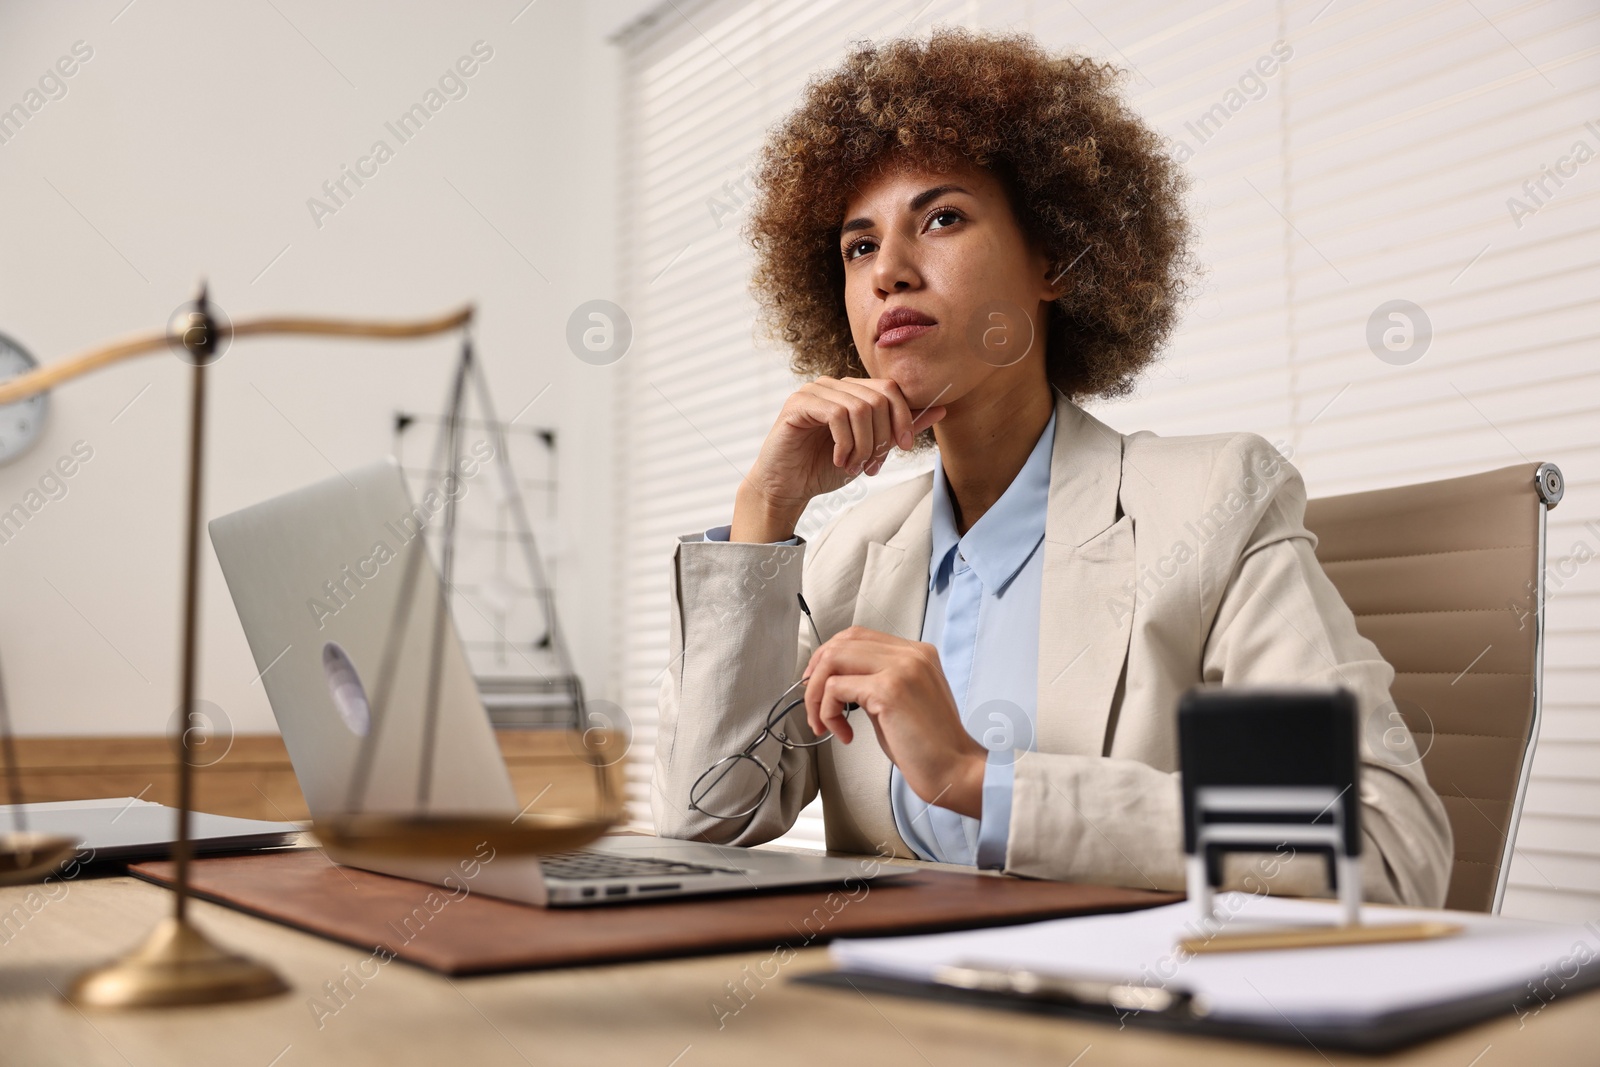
[21, 423]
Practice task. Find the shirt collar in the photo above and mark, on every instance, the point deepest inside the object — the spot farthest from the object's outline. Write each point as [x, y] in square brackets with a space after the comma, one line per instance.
[999, 543]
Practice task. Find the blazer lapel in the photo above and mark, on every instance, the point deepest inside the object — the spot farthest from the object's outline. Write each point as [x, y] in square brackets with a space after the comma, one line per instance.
[894, 583]
[892, 598]
[1085, 621]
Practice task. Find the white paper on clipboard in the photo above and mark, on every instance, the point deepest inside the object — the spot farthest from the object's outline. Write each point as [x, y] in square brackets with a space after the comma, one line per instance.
[1334, 986]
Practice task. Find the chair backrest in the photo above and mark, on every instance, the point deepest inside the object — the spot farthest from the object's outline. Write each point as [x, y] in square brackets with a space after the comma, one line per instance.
[1447, 579]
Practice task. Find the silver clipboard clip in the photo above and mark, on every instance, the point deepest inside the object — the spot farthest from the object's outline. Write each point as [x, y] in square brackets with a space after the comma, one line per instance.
[1120, 998]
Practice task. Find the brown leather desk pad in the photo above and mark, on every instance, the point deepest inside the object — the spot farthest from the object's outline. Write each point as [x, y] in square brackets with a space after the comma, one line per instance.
[475, 934]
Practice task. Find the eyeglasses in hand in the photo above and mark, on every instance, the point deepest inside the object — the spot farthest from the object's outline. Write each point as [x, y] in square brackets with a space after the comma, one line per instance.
[724, 790]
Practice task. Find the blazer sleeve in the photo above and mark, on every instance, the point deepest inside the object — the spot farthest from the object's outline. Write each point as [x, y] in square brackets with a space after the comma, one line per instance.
[735, 647]
[1276, 618]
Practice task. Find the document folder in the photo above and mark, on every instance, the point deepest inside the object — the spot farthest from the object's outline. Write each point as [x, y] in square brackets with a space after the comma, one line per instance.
[1130, 969]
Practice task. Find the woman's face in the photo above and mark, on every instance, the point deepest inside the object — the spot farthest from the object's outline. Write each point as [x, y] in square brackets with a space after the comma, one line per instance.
[946, 247]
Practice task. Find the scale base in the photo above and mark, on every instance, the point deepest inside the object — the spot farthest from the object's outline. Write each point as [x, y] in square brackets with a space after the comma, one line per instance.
[177, 965]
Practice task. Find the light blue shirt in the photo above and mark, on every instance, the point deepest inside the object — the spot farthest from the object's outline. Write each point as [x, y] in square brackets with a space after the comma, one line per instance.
[982, 615]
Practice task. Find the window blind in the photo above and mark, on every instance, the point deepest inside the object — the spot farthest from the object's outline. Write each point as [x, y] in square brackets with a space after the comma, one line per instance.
[1345, 155]
[702, 84]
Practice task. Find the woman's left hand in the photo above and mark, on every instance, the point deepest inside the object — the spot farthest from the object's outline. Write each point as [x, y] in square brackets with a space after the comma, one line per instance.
[902, 688]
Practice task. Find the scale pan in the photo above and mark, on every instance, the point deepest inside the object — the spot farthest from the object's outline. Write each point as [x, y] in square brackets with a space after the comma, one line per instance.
[454, 836]
[27, 857]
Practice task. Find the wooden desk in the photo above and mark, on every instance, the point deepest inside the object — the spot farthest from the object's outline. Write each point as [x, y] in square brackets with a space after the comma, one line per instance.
[651, 1014]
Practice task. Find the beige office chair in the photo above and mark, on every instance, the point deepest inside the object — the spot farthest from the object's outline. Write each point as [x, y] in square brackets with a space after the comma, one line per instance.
[1447, 579]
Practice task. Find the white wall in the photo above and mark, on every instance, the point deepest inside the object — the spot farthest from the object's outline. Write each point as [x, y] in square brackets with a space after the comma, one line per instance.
[188, 145]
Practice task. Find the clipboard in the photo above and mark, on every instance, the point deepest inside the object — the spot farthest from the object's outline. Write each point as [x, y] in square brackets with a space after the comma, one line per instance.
[1386, 1033]
[1131, 969]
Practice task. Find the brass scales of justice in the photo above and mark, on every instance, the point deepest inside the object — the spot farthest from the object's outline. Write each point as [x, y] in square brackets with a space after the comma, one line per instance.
[177, 964]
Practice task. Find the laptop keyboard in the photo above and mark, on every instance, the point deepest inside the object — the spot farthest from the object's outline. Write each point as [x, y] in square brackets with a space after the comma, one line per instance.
[586, 866]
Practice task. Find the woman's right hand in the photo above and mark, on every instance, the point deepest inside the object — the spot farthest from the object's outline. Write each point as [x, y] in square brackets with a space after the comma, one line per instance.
[830, 431]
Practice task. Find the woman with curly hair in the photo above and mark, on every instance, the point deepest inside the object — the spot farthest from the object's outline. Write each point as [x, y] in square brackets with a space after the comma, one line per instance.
[960, 240]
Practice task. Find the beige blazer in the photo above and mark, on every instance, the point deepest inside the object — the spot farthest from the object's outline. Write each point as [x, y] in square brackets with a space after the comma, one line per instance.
[1168, 562]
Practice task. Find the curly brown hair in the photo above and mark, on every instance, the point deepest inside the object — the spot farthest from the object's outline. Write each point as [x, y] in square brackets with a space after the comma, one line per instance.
[1089, 182]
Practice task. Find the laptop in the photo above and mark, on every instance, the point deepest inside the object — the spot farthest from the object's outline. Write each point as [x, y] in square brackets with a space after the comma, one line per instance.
[316, 575]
